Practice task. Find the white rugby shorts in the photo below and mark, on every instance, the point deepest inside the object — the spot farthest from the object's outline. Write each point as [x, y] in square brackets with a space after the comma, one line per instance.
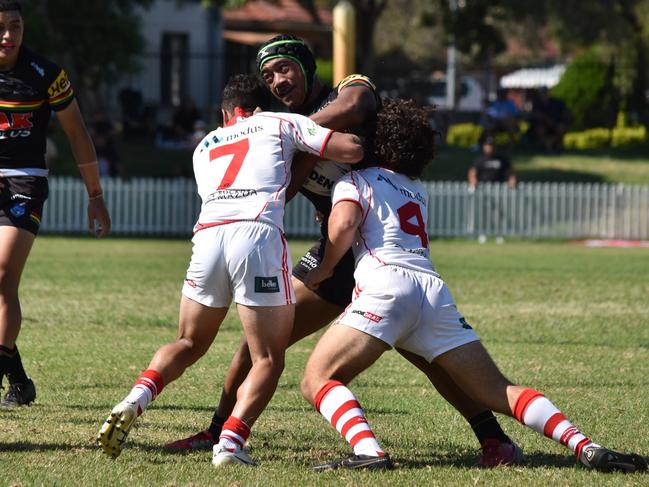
[246, 262]
[407, 309]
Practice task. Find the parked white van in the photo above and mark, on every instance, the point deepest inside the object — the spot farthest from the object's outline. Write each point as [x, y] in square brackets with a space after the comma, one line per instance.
[470, 96]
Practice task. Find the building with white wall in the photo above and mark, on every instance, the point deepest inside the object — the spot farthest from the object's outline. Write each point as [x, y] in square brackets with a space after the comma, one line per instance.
[183, 56]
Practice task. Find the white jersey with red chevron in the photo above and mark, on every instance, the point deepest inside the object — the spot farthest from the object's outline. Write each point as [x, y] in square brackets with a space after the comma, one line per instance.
[395, 212]
[242, 170]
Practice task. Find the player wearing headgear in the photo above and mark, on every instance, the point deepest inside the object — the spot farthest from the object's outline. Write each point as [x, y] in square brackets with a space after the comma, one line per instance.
[288, 68]
[401, 301]
[239, 254]
[31, 88]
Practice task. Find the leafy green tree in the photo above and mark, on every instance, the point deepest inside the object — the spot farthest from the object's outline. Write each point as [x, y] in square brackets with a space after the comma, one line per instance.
[586, 89]
[473, 27]
[617, 27]
[96, 40]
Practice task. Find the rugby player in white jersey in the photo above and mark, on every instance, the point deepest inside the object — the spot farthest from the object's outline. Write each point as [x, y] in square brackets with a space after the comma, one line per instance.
[239, 254]
[400, 301]
[288, 68]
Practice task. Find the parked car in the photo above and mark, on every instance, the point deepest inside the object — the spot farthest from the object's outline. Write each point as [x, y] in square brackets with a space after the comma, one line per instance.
[432, 91]
[470, 97]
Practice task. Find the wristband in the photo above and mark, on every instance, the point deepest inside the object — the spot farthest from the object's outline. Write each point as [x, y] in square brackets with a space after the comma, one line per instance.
[93, 163]
[99, 195]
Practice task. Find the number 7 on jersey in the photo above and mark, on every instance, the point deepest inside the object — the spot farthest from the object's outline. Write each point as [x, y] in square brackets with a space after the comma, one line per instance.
[238, 150]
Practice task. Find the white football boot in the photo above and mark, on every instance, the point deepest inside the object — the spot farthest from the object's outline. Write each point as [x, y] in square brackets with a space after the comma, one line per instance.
[224, 456]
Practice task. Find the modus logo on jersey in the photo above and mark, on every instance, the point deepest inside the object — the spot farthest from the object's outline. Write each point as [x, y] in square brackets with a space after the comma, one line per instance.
[244, 132]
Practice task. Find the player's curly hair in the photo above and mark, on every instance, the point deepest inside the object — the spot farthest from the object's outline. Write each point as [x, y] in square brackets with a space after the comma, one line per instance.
[404, 140]
[246, 91]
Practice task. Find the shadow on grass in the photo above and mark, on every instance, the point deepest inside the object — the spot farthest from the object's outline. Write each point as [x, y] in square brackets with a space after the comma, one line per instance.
[638, 154]
[469, 460]
[558, 176]
[28, 447]
[461, 460]
[161, 407]
[452, 164]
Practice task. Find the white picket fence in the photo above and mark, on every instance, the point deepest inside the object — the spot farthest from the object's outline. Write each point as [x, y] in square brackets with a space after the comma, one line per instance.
[169, 207]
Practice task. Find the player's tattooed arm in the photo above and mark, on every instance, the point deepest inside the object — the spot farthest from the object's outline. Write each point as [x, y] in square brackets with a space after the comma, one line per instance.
[346, 148]
[353, 106]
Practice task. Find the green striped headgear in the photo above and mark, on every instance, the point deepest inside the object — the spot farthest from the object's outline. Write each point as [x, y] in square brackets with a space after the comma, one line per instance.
[291, 47]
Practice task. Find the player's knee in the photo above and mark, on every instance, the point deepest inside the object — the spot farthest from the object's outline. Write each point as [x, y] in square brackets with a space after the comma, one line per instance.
[309, 387]
[305, 389]
[8, 285]
[191, 349]
[271, 365]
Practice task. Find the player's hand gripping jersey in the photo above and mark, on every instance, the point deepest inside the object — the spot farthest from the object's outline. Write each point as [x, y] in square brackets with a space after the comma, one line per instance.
[242, 170]
[395, 212]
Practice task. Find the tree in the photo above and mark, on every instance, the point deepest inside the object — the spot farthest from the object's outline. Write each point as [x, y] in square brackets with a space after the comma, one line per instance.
[620, 27]
[96, 40]
[473, 25]
[617, 27]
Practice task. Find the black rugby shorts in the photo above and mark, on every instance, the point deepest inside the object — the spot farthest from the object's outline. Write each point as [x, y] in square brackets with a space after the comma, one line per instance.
[339, 287]
[21, 201]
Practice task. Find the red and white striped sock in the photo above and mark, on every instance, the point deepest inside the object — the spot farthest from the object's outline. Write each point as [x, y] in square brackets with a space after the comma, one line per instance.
[234, 434]
[533, 409]
[339, 406]
[145, 390]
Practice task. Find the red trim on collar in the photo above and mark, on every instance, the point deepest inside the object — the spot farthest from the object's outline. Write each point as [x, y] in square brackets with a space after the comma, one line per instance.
[238, 113]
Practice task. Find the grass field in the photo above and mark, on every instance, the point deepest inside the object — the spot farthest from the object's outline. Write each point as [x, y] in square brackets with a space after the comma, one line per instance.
[597, 166]
[571, 321]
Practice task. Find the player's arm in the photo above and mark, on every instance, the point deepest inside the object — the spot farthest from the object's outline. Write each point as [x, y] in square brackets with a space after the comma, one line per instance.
[355, 103]
[353, 106]
[84, 153]
[472, 177]
[346, 148]
[510, 176]
[511, 179]
[344, 220]
[303, 164]
[340, 147]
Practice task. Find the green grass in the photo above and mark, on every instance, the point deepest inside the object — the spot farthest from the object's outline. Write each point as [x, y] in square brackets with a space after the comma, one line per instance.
[452, 164]
[570, 321]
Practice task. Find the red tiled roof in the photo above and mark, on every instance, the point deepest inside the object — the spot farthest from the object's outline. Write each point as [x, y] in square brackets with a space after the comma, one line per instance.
[280, 11]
